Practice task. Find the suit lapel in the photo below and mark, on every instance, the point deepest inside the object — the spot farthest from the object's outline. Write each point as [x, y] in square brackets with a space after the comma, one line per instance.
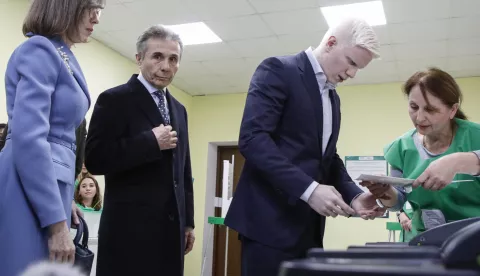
[311, 85]
[78, 74]
[74, 66]
[145, 102]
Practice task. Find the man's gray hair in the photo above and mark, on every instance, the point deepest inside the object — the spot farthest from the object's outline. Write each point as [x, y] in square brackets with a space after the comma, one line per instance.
[52, 269]
[355, 32]
[157, 31]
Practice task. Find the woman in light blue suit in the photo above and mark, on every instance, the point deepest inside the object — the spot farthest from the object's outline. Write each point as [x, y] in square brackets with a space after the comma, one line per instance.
[47, 98]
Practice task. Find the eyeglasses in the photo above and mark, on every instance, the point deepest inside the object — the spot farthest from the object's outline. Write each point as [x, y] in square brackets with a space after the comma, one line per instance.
[95, 13]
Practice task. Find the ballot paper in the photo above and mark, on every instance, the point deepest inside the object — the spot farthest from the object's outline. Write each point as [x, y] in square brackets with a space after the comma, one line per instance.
[395, 181]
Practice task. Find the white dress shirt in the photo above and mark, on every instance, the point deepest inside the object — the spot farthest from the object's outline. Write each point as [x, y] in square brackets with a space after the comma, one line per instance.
[324, 88]
[151, 89]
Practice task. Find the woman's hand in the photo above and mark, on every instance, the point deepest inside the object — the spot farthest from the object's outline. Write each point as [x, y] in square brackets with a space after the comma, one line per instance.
[366, 207]
[76, 212]
[60, 244]
[441, 172]
[378, 190]
[405, 222]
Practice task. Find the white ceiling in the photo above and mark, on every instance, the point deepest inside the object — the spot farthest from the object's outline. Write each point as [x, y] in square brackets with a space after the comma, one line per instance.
[418, 33]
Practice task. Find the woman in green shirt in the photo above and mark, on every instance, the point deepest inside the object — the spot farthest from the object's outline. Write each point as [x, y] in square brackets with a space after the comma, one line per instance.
[442, 147]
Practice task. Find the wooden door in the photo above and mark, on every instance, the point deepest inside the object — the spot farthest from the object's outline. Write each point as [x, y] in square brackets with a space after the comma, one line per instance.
[234, 246]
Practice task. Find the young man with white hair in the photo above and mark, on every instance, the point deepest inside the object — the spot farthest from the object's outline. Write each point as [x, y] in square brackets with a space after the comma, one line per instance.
[293, 177]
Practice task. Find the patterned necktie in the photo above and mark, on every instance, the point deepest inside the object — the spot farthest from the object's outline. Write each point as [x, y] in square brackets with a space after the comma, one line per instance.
[162, 107]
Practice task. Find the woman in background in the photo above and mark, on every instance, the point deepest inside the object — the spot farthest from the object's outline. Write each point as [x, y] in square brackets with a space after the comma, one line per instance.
[47, 98]
[88, 195]
[444, 146]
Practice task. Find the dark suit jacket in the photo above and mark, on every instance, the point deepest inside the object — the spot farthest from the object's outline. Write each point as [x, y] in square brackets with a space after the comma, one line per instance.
[281, 140]
[81, 135]
[3, 137]
[148, 192]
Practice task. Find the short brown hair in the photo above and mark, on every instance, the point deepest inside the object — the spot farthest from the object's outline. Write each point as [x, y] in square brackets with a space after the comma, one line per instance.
[438, 83]
[58, 17]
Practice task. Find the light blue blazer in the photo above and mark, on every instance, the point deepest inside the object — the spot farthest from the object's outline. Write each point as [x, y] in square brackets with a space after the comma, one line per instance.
[47, 98]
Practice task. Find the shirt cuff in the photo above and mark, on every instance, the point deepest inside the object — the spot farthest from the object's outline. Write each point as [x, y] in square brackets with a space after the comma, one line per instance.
[354, 199]
[477, 153]
[308, 192]
[401, 200]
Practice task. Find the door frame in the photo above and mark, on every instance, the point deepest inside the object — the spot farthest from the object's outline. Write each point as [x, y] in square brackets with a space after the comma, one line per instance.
[210, 203]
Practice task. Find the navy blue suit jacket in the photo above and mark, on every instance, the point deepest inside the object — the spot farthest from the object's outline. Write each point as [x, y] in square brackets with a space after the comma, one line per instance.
[281, 140]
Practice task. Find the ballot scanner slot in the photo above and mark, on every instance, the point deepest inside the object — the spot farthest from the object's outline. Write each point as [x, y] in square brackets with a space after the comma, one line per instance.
[315, 268]
[418, 262]
[386, 253]
[387, 243]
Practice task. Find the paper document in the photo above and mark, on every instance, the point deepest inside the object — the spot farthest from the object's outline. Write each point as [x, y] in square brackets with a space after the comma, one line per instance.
[395, 181]
[359, 166]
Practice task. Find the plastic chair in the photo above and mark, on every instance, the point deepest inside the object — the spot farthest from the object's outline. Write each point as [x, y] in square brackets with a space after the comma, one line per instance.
[392, 227]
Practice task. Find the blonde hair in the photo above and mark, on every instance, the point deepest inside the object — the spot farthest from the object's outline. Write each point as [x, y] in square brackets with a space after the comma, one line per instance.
[355, 32]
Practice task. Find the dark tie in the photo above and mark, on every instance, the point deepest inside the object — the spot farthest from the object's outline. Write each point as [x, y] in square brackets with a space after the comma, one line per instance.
[162, 106]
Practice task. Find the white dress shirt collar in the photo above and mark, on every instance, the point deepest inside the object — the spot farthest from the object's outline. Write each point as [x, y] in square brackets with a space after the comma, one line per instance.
[317, 69]
[151, 89]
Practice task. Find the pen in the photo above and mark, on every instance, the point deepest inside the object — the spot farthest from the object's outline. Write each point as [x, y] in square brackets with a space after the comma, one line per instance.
[408, 188]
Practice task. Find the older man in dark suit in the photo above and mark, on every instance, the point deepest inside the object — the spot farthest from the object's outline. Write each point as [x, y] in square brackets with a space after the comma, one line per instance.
[138, 138]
